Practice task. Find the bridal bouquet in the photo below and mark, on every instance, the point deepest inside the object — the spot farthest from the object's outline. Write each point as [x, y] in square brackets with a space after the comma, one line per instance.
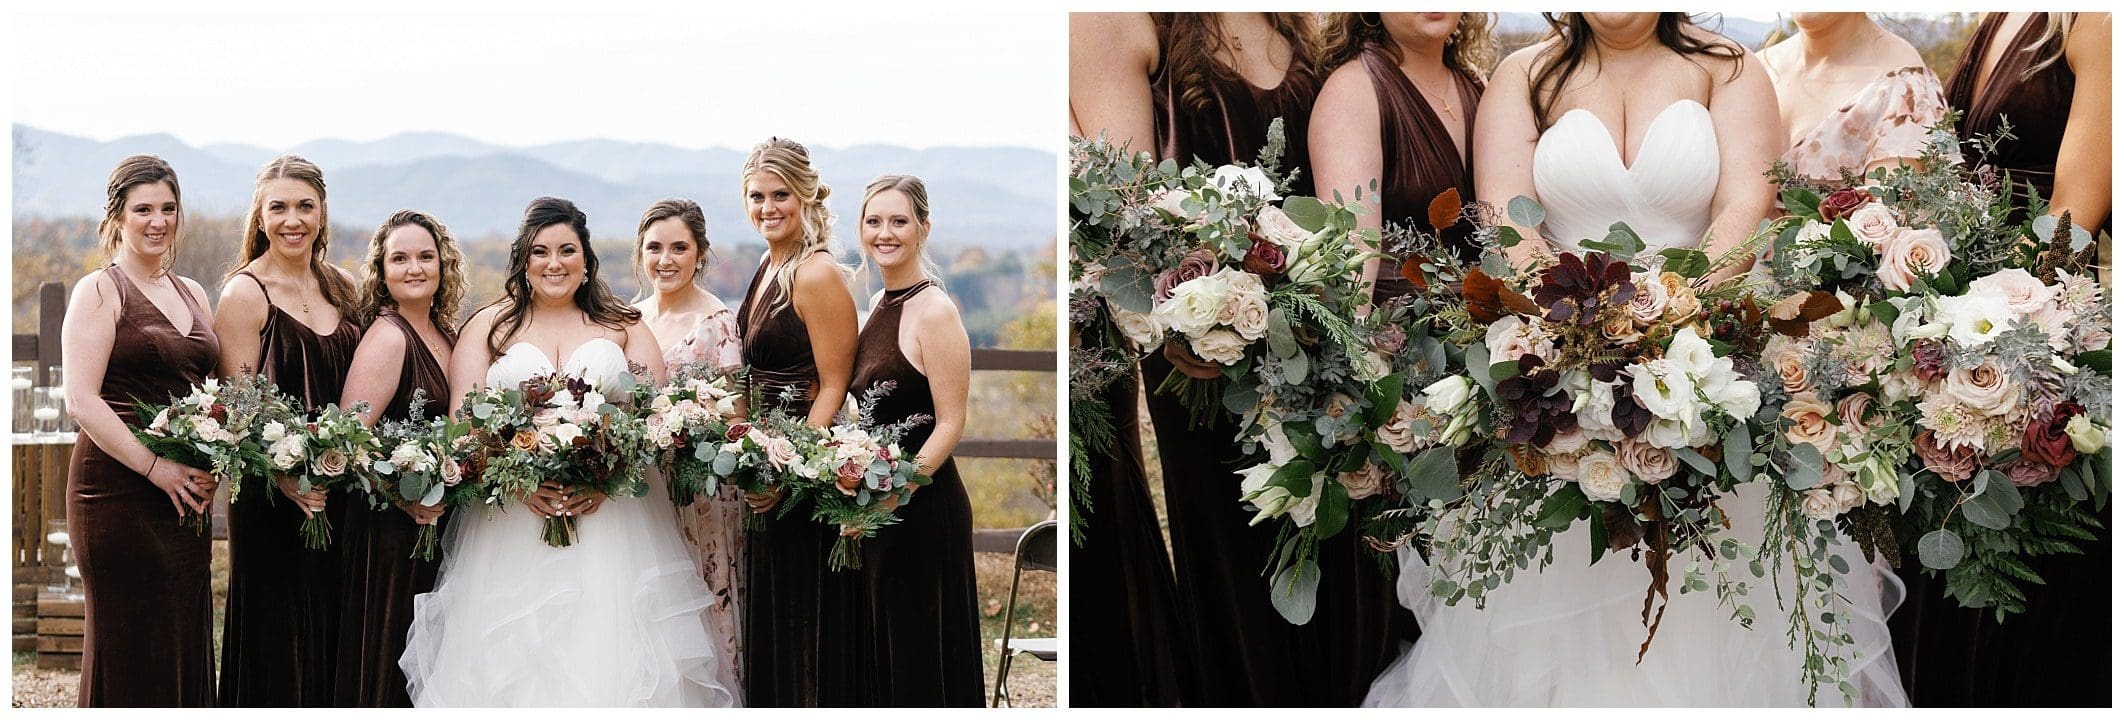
[856, 475]
[221, 427]
[689, 430]
[552, 427]
[323, 452]
[417, 467]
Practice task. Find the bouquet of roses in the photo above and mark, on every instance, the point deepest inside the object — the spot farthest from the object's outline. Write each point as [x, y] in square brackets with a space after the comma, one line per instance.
[223, 427]
[417, 467]
[553, 427]
[325, 452]
[689, 430]
[1609, 379]
[856, 476]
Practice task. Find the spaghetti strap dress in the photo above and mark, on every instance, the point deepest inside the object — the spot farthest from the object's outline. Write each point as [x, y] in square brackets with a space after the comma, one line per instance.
[144, 575]
[1418, 158]
[381, 574]
[805, 625]
[925, 635]
[280, 631]
[2057, 652]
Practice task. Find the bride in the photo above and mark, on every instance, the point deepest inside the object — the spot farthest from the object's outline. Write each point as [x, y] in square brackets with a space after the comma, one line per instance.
[617, 619]
[1647, 119]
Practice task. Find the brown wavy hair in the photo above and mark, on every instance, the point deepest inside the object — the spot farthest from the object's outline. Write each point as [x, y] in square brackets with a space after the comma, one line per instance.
[134, 172]
[594, 298]
[689, 214]
[1570, 41]
[1203, 38]
[449, 289]
[336, 288]
[1472, 49]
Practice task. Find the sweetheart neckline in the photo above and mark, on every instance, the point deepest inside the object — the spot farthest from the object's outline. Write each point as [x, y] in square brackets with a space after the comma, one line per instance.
[1629, 168]
[571, 356]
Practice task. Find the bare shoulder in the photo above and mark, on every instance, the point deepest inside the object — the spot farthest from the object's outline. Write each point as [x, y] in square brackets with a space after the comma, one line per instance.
[483, 320]
[817, 271]
[244, 291]
[2087, 41]
[934, 306]
[94, 290]
[1130, 36]
[382, 337]
[1348, 89]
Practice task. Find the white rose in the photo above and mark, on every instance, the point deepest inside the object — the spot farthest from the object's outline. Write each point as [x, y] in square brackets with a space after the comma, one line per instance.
[1847, 495]
[273, 431]
[1595, 406]
[210, 430]
[2023, 292]
[1279, 447]
[1195, 305]
[1729, 392]
[1566, 443]
[1371, 366]
[593, 400]
[1302, 512]
[1278, 228]
[161, 424]
[1247, 309]
[1973, 319]
[1220, 346]
[1140, 328]
[1565, 466]
[1169, 201]
[564, 434]
[1820, 504]
[1248, 180]
[1872, 224]
[1910, 314]
[1509, 338]
[1601, 476]
[1897, 387]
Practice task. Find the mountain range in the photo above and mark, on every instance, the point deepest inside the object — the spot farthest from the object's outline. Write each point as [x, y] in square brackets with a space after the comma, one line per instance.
[1002, 197]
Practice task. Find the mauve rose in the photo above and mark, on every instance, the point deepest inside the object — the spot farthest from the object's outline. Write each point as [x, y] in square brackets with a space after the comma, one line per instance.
[1650, 302]
[1984, 388]
[1872, 224]
[1842, 202]
[2046, 440]
[1648, 463]
[1956, 464]
[1389, 339]
[452, 473]
[1852, 411]
[780, 451]
[2024, 472]
[333, 462]
[1199, 263]
[848, 477]
[1365, 482]
[1264, 258]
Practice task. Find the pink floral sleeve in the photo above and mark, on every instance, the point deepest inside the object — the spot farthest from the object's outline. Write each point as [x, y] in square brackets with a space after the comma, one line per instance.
[715, 340]
[1888, 119]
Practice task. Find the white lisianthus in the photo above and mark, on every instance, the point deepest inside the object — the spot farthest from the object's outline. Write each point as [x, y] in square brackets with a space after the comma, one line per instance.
[593, 400]
[1248, 180]
[1729, 392]
[1973, 319]
[1601, 476]
[273, 431]
[1220, 346]
[2087, 437]
[1690, 353]
[1279, 447]
[410, 458]
[1195, 305]
[1664, 389]
[1876, 478]
[1595, 405]
[1446, 396]
[2023, 292]
[1910, 313]
[1811, 233]
[1303, 512]
[1675, 434]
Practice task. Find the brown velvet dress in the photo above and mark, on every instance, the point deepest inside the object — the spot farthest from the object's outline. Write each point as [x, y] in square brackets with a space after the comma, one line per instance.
[1418, 158]
[2057, 653]
[282, 624]
[381, 575]
[806, 635]
[1243, 652]
[149, 637]
[925, 633]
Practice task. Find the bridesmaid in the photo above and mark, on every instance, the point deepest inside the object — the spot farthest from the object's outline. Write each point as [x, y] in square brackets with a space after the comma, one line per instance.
[1851, 96]
[1399, 110]
[695, 327]
[1125, 621]
[136, 332]
[804, 624]
[2047, 74]
[277, 644]
[926, 635]
[412, 283]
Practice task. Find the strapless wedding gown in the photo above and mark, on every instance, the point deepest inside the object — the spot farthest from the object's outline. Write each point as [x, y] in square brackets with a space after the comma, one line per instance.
[619, 619]
[1569, 635]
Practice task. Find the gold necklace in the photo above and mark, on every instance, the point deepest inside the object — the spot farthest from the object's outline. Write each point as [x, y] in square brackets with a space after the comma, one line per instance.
[1435, 99]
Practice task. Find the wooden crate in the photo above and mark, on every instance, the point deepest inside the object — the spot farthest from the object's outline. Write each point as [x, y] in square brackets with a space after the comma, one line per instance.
[60, 624]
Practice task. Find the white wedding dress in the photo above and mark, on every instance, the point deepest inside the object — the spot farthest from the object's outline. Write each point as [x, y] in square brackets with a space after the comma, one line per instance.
[1569, 635]
[619, 619]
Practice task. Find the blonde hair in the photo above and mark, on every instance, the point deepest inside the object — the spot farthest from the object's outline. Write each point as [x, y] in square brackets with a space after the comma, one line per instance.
[787, 159]
[134, 172]
[2055, 26]
[917, 198]
[335, 287]
[449, 292]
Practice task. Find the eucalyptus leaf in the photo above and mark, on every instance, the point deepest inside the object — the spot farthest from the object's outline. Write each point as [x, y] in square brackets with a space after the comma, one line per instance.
[1697, 461]
[1128, 287]
[434, 494]
[1738, 447]
[1295, 367]
[1525, 212]
[1940, 549]
[1280, 339]
[1307, 213]
[1295, 592]
[1434, 474]
[1806, 470]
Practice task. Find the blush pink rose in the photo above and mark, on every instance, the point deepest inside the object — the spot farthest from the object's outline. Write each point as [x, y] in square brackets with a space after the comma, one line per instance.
[1909, 251]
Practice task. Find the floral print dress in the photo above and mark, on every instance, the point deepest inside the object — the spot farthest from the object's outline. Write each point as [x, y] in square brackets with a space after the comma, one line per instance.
[715, 526]
[1885, 120]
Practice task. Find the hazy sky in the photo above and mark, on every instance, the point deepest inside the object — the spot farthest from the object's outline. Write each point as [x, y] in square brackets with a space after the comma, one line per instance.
[873, 73]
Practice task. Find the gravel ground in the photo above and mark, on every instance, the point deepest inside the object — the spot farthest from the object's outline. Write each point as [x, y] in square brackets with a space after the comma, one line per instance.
[36, 688]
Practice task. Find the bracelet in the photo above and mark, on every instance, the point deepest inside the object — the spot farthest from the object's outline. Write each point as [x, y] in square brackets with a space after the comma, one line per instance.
[151, 468]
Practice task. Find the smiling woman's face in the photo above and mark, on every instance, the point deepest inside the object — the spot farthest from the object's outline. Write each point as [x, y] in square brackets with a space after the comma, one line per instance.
[555, 269]
[290, 214]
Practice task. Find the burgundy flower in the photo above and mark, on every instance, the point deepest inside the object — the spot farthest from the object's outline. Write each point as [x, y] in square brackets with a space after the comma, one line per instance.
[1955, 465]
[1839, 204]
[1932, 361]
[1534, 414]
[2045, 440]
[737, 430]
[1199, 263]
[1264, 258]
[1629, 416]
[1575, 289]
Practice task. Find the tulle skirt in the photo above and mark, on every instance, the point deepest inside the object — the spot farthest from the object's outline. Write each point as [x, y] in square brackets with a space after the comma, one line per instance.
[619, 619]
[1568, 636]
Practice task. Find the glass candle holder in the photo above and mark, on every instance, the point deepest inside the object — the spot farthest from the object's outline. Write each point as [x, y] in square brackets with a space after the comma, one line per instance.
[59, 552]
[23, 382]
[50, 404]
